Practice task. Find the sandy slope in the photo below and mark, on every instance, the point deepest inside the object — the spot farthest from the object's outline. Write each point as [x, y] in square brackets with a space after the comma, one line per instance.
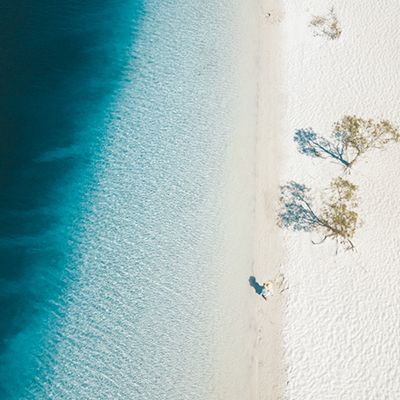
[268, 249]
[340, 323]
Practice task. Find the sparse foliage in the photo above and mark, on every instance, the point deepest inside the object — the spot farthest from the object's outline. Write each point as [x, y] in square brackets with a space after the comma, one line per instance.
[360, 135]
[336, 218]
[340, 220]
[350, 138]
[327, 26]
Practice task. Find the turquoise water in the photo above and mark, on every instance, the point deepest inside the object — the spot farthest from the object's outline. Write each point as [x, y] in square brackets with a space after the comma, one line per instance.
[54, 108]
[112, 208]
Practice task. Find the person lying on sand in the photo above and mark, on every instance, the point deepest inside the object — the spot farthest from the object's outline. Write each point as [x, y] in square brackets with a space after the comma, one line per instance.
[266, 290]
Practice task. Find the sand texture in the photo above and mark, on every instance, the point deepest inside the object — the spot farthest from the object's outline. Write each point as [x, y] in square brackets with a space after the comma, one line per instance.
[267, 358]
[340, 322]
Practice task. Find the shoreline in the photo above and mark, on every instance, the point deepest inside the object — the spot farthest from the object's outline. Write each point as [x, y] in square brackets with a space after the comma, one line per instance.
[268, 252]
[249, 351]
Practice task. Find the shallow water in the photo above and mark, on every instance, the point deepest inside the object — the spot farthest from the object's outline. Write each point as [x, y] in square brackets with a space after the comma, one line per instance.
[115, 261]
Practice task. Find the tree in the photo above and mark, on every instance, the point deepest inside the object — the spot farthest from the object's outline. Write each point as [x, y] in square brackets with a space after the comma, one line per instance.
[336, 218]
[359, 135]
[326, 25]
[350, 138]
[340, 220]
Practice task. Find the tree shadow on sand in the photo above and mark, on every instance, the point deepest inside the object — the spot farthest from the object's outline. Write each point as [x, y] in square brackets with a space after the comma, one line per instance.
[255, 285]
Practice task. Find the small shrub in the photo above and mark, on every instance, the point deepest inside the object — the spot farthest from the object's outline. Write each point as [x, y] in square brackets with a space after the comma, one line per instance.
[336, 218]
[351, 137]
[327, 26]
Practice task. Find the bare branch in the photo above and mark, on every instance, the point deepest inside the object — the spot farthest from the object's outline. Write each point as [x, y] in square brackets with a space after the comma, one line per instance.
[350, 138]
[335, 219]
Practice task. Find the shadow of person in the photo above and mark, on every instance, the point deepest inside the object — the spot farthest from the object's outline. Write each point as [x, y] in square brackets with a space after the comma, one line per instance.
[254, 284]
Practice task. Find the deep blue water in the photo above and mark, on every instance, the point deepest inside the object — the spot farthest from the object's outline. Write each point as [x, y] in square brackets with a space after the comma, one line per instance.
[61, 66]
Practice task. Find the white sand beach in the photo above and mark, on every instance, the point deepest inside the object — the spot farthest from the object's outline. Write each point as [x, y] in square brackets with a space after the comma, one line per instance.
[334, 333]
[268, 363]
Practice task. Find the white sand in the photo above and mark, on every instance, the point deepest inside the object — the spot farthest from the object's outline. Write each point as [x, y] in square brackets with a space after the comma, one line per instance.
[340, 322]
[334, 333]
[268, 353]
